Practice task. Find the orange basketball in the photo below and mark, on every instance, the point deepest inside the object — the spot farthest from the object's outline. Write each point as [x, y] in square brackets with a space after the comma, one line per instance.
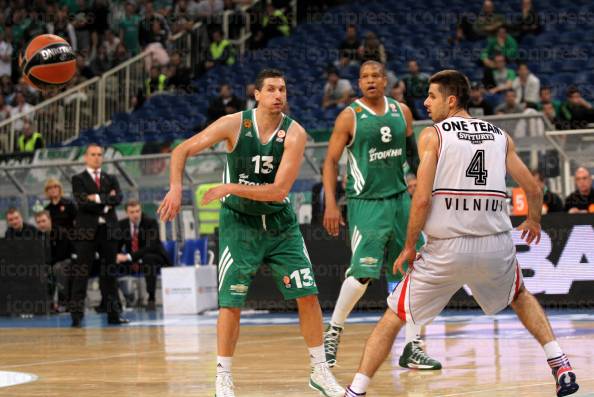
[48, 62]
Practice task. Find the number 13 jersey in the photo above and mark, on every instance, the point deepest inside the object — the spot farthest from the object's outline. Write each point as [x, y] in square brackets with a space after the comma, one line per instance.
[469, 190]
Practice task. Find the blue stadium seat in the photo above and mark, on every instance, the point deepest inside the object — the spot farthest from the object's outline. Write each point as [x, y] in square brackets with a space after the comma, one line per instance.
[189, 251]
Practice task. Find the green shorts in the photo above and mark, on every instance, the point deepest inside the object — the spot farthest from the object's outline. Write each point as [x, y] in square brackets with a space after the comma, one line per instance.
[247, 241]
[378, 232]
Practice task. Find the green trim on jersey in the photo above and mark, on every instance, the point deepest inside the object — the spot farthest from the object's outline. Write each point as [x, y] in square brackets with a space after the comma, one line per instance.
[377, 152]
[255, 163]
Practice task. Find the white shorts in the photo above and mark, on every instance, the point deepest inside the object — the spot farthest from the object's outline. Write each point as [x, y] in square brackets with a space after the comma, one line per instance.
[488, 265]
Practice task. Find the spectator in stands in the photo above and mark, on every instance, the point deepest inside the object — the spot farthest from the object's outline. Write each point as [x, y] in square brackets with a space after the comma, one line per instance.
[347, 51]
[20, 106]
[140, 247]
[101, 63]
[500, 78]
[62, 27]
[155, 41]
[225, 103]
[81, 22]
[110, 43]
[527, 87]
[121, 54]
[337, 91]
[62, 210]
[5, 55]
[7, 88]
[502, 43]
[372, 49]
[488, 21]
[130, 29]
[208, 8]
[478, 106]
[411, 183]
[178, 75]
[576, 111]
[59, 255]
[155, 83]
[29, 140]
[82, 67]
[397, 92]
[582, 200]
[17, 229]
[551, 114]
[250, 96]
[220, 51]
[275, 23]
[100, 22]
[416, 83]
[182, 20]
[510, 104]
[551, 202]
[4, 109]
[529, 22]
[546, 96]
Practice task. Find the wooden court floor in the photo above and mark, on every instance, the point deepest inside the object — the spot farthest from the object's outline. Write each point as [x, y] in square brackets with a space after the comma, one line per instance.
[481, 357]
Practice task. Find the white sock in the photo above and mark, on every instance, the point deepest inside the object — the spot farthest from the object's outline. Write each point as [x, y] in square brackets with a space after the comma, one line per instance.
[350, 293]
[317, 355]
[224, 364]
[552, 350]
[411, 332]
[360, 383]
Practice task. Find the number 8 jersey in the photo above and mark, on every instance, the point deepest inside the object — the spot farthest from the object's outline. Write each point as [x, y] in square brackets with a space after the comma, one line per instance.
[377, 152]
[469, 190]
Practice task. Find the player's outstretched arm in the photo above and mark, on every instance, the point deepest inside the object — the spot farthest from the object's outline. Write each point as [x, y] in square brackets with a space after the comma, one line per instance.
[341, 135]
[288, 170]
[520, 173]
[224, 129]
[421, 201]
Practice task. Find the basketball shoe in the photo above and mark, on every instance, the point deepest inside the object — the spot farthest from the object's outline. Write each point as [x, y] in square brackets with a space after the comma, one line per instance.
[564, 376]
[224, 385]
[414, 356]
[322, 380]
[350, 393]
[331, 341]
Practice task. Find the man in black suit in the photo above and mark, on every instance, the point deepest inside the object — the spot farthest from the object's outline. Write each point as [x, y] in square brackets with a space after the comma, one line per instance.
[17, 229]
[96, 194]
[140, 247]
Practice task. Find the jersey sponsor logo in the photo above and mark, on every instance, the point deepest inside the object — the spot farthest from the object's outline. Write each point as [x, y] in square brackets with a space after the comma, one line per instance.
[384, 154]
[476, 138]
[244, 180]
[238, 289]
[475, 204]
[368, 261]
[247, 123]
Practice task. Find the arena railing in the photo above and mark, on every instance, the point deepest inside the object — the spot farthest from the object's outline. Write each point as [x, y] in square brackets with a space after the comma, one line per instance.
[58, 118]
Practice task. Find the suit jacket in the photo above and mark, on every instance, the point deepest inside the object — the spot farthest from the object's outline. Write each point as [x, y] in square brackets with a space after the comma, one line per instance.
[87, 218]
[148, 239]
[28, 232]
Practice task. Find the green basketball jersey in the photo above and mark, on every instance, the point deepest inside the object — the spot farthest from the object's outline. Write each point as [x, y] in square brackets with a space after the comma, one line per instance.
[255, 163]
[377, 152]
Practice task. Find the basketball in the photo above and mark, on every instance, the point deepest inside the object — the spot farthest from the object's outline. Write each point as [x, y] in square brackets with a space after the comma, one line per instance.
[48, 62]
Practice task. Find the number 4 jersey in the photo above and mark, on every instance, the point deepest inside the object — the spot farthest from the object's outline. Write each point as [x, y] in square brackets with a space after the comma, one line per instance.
[469, 191]
[252, 162]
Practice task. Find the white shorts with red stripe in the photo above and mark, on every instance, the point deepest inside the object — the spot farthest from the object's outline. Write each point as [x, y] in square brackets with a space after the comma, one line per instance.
[487, 264]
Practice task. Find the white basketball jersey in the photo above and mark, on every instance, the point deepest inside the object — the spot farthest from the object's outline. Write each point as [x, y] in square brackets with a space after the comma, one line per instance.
[469, 191]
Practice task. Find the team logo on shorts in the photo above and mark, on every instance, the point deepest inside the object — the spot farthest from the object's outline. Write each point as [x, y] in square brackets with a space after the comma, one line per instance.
[238, 289]
[287, 282]
[247, 123]
[368, 261]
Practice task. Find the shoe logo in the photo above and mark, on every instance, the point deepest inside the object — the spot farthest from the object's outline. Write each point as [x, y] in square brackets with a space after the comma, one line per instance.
[219, 365]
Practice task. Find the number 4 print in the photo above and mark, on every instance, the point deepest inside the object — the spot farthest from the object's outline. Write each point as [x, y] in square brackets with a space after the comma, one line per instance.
[476, 169]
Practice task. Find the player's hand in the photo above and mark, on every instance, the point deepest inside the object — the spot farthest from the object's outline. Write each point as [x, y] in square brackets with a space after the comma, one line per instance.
[214, 193]
[120, 258]
[408, 255]
[170, 205]
[333, 220]
[530, 231]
